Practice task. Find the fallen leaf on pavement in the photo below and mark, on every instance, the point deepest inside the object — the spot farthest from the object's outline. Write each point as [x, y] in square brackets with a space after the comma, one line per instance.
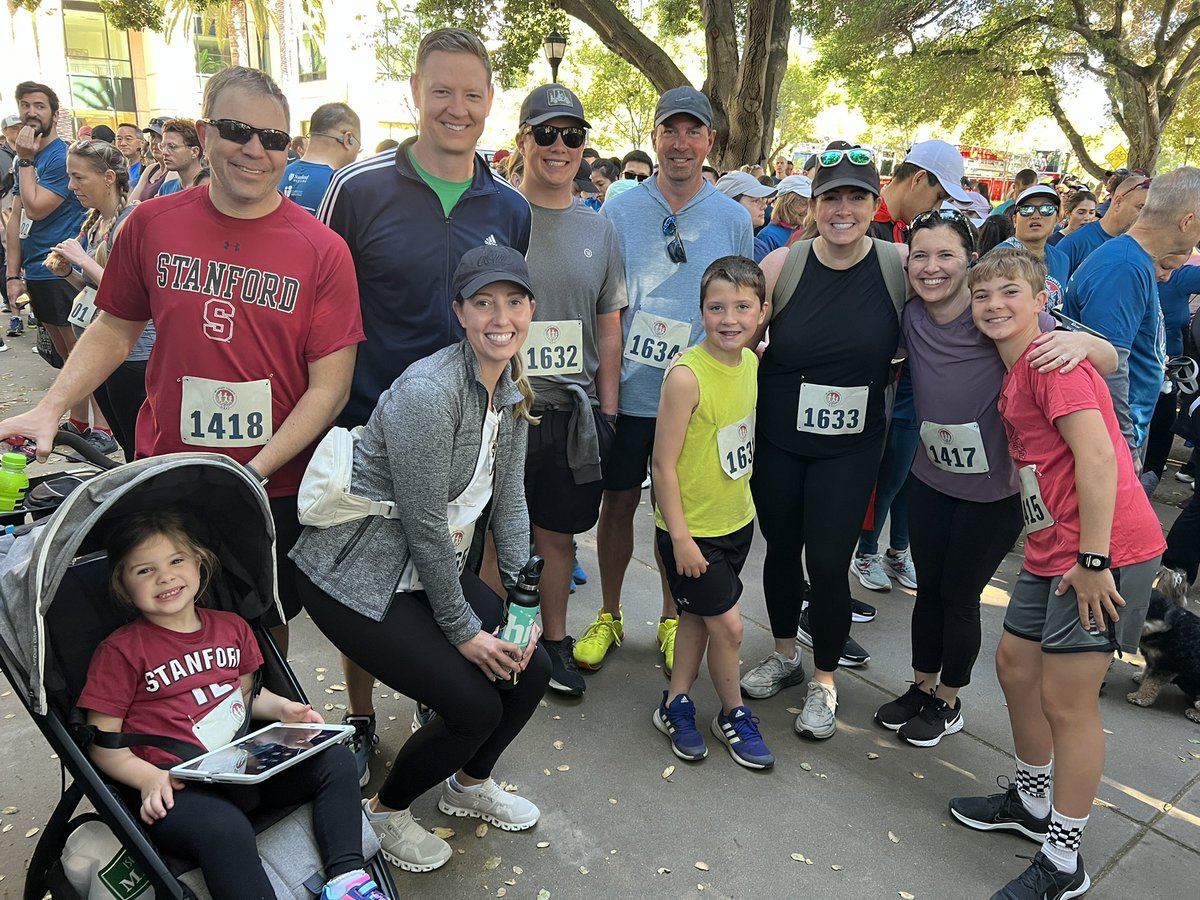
[444, 833]
[542, 845]
[807, 767]
[558, 745]
[663, 870]
[668, 772]
[798, 857]
[8, 811]
[892, 837]
[583, 870]
[545, 771]
[905, 895]
[501, 892]
[836, 867]
[793, 710]
[872, 756]
[517, 870]
[32, 831]
[543, 894]
[564, 768]
[702, 866]
[491, 862]
[917, 775]
[481, 831]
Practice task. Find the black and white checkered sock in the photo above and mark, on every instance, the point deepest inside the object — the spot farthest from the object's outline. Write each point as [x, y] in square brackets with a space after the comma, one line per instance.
[1033, 786]
[1062, 841]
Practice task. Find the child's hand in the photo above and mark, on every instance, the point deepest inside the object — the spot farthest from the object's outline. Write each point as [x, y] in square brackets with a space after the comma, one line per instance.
[292, 712]
[689, 560]
[158, 795]
[1095, 592]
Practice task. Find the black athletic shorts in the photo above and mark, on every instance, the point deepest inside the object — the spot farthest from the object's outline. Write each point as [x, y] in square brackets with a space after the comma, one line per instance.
[630, 453]
[720, 587]
[51, 300]
[555, 501]
[287, 531]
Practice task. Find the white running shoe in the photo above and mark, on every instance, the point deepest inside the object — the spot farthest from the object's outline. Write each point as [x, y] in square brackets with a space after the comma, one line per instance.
[772, 675]
[500, 808]
[901, 568]
[816, 719]
[408, 846]
[869, 570]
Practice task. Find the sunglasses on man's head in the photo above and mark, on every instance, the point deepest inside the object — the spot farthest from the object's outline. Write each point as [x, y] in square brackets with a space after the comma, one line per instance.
[859, 156]
[634, 176]
[545, 135]
[1042, 209]
[240, 133]
[1143, 185]
[675, 249]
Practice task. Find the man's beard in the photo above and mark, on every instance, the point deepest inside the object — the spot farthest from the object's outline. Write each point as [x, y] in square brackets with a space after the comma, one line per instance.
[40, 129]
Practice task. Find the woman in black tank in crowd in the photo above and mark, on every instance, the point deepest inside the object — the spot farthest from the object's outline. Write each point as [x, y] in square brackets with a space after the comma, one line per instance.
[820, 428]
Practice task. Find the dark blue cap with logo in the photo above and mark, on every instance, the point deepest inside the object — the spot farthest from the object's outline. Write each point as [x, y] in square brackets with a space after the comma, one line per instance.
[549, 102]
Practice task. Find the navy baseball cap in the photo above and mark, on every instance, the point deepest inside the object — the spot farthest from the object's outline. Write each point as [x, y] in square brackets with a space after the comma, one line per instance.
[488, 264]
[549, 102]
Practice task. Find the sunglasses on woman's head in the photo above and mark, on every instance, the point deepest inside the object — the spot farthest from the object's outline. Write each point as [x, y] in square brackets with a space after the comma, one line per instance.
[935, 216]
[859, 156]
[240, 133]
[634, 176]
[1042, 209]
[545, 135]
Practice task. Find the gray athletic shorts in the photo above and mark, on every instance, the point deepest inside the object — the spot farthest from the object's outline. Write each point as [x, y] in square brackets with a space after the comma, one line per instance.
[1036, 614]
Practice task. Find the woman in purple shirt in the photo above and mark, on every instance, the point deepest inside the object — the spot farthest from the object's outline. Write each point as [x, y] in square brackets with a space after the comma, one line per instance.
[965, 506]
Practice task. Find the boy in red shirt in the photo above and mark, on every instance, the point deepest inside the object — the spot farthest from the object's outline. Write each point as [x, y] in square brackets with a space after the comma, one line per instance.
[1092, 545]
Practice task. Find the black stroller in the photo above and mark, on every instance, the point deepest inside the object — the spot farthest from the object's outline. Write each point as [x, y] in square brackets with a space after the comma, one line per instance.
[54, 612]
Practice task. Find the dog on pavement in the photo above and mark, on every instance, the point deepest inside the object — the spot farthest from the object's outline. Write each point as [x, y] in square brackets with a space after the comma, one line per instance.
[1170, 644]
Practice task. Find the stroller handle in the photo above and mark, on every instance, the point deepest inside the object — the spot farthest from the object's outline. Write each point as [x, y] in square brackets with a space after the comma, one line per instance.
[80, 445]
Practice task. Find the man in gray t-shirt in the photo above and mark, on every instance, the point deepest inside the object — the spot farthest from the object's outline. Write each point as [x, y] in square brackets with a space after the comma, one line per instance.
[671, 227]
[572, 356]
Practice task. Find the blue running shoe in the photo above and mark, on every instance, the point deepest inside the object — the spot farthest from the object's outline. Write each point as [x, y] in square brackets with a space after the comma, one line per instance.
[739, 732]
[578, 576]
[678, 722]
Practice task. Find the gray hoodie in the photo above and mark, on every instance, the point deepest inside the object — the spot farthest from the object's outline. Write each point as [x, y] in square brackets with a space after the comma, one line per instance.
[419, 448]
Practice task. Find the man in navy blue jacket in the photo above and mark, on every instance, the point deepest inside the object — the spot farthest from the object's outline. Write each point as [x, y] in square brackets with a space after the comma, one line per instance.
[409, 215]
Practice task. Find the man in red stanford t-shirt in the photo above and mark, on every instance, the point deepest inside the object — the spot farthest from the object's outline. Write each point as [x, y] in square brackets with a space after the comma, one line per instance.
[256, 307]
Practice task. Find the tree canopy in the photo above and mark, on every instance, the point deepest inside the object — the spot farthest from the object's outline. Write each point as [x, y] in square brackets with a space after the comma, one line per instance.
[1003, 62]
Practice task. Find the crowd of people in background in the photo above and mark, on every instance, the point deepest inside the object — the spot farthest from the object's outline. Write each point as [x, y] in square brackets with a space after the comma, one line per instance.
[526, 342]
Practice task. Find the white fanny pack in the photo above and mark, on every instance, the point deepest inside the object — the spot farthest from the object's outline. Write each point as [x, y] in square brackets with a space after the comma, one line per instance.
[325, 499]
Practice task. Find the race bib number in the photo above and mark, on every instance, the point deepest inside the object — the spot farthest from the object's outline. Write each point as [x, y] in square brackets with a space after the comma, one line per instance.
[83, 310]
[26, 225]
[461, 537]
[735, 448]
[554, 348]
[656, 340]
[826, 409]
[955, 448]
[225, 414]
[221, 722]
[1033, 507]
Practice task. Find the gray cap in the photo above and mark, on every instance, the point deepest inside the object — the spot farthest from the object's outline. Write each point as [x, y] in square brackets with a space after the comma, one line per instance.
[739, 184]
[9, 122]
[156, 125]
[488, 264]
[549, 102]
[686, 100]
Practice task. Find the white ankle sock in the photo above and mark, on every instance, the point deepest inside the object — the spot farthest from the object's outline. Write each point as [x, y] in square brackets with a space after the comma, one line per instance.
[1033, 786]
[374, 816]
[463, 788]
[1061, 846]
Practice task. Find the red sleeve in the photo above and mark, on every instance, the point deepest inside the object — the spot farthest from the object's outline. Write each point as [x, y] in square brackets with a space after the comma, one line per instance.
[251, 655]
[337, 315]
[124, 291]
[1060, 395]
[112, 682]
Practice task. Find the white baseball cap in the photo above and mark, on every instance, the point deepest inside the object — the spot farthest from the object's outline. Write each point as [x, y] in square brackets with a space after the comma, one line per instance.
[10, 121]
[737, 184]
[795, 184]
[943, 162]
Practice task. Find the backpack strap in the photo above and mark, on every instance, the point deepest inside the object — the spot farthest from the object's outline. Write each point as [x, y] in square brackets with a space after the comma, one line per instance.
[789, 276]
[893, 273]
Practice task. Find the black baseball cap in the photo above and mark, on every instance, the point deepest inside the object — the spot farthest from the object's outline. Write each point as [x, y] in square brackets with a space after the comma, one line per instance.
[103, 133]
[488, 264]
[845, 173]
[583, 178]
[685, 100]
[549, 102]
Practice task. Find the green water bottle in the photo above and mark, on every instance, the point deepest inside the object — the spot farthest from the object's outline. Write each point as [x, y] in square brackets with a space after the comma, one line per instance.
[521, 610]
[13, 481]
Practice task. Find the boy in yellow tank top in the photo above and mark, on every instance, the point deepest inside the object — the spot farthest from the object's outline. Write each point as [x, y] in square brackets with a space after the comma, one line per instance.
[703, 457]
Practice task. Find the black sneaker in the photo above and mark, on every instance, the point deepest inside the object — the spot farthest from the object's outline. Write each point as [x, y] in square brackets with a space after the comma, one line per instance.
[422, 716]
[853, 654]
[361, 743]
[1043, 881]
[861, 612]
[896, 712]
[102, 441]
[564, 672]
[1000, 812]
[935, 720]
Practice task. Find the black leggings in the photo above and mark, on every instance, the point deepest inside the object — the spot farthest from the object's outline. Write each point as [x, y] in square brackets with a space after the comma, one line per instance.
[957, 545]
[408, 652]
[120, 398]
[208, 823]
[814, 505]
[1183, 540]
[1160, 436]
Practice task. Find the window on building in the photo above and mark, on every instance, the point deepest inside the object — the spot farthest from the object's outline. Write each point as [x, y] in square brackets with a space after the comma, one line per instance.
[311, 58]
[98, 67]
[212, 54]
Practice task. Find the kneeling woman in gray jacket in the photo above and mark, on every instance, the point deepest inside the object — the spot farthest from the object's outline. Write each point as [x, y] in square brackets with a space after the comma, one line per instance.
[400, 597]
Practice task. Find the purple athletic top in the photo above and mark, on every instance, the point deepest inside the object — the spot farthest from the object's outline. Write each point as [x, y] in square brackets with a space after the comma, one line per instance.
[957, 374]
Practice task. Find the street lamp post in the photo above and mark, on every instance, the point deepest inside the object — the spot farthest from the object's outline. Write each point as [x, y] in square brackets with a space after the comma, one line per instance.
[555, 46]
[1188, 142]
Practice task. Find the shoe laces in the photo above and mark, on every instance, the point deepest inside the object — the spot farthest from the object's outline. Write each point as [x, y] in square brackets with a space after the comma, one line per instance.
[683, 717]
[1041, 872]
[596, 630]
[745, 726]
[668, 645]
[362, 733]
[566, 652]
[819, 695]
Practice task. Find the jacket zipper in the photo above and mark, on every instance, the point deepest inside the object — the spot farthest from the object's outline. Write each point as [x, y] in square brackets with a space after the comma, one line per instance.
[353, 542]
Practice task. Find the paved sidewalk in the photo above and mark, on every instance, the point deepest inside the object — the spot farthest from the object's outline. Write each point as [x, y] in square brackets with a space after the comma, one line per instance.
[872, 827]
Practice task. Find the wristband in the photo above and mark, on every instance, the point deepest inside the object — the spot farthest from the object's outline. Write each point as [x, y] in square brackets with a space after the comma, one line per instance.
[611, 420]
[1093, 562]
[258, 476]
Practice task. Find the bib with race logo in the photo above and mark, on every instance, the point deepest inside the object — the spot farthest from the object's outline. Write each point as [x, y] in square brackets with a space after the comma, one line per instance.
[827, 409]
[554, 348]
[1033, 507]
[223, 721]
[955, 448]
[225, 414]
[656, 340]
[83, 310]
[26, 225]
[735, 448]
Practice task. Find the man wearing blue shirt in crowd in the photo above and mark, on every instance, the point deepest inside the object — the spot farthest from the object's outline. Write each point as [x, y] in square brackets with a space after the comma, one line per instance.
[182, 154]
[1125, 206]
[335, 140]
[1115, 292]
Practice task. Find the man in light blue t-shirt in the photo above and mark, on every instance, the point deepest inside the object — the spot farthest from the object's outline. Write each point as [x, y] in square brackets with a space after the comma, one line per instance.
[335, 140]
[1124, 208]
[1115, 293]
[671, 227]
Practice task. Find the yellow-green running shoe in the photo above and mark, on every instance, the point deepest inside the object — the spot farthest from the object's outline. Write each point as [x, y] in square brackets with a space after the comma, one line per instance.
[666, 642]
[591, 649]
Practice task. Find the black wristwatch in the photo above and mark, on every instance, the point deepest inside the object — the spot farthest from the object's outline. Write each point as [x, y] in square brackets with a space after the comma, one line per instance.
[611, 420]
[1094, 562]
[25, 163]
